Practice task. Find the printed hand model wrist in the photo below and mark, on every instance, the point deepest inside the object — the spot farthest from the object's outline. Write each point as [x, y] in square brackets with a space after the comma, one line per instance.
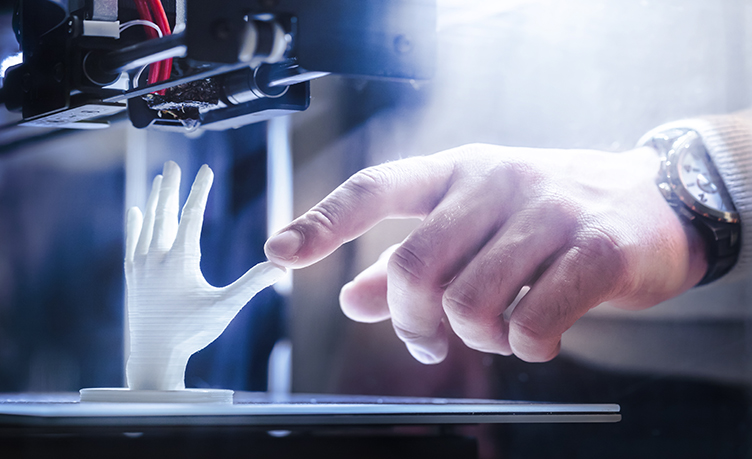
[173, 312]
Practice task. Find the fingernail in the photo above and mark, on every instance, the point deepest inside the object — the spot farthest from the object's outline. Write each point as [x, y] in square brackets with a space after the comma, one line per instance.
[421, 355]
[285, 245]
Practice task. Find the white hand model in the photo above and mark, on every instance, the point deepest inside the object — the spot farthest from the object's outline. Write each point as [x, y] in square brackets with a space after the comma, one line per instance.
[172, 311]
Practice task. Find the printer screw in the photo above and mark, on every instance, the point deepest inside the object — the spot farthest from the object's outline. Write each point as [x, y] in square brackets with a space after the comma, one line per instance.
[58, 72]
[222, 30]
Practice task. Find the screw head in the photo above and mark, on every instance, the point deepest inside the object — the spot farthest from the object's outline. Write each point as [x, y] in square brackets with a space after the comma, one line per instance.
[222, 30]
[58, 72]
[403, 44]
[26, 82]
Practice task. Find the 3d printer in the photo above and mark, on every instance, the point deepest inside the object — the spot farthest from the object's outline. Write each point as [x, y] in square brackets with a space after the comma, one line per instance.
[185, 65]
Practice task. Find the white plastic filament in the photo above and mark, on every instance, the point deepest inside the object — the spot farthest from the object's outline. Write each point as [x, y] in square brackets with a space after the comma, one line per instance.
[173, 312]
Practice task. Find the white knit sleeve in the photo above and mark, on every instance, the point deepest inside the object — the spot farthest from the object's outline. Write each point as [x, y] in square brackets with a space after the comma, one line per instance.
[728, 139]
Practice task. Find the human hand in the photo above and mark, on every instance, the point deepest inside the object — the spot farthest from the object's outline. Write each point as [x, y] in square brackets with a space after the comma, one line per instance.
[172, 311]
[578, 227]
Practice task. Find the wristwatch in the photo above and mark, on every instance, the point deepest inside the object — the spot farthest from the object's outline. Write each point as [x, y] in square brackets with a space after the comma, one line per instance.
[693, 188]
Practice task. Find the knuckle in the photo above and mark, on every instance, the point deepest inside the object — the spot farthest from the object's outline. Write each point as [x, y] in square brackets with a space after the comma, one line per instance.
[563, 210]
[192, 212]
[161, 213]
[408, 264]
[463, 151]
[324, 216]
[568, 214]
[528, 329]
[521, 171]
[482, 336]
[603, 254]
[407, 334]
[370, 181]
[530, 344]
[331, 213]
[461, 300]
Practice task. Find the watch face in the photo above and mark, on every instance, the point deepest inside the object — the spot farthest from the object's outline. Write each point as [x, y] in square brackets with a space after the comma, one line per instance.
[696, 181]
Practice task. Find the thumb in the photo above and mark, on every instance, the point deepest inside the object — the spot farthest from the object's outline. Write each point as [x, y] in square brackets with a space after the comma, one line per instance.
[364, 299]
[249, 284]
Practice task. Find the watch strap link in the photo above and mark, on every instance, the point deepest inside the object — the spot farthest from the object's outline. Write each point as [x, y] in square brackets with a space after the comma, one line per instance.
[721, 255]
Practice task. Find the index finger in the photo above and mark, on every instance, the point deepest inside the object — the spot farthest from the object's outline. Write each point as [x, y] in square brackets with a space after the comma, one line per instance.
[406, 188]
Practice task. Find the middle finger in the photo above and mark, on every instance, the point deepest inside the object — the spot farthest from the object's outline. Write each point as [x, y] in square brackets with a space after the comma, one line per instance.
[476, 299]
[422, 266]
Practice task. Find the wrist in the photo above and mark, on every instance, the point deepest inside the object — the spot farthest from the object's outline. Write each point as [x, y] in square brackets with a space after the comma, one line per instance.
[697, 265]
[691, 185]
[696, 252]
[154, 368]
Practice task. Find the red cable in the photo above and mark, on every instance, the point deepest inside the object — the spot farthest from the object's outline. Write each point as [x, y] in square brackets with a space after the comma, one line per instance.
[162, 70]
[162, 23]
[155, 69]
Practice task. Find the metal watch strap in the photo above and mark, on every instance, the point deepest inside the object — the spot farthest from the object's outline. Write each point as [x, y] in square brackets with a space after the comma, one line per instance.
[721, 248]
[722, 239]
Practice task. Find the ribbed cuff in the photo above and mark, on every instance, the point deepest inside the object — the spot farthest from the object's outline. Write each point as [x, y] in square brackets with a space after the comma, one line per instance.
[728, 139]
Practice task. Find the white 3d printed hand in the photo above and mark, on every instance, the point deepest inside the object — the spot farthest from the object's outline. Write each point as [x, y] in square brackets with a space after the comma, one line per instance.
[172, 311]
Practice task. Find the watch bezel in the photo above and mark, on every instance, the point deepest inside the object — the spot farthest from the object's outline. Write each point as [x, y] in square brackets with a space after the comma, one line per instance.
[674, 180]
